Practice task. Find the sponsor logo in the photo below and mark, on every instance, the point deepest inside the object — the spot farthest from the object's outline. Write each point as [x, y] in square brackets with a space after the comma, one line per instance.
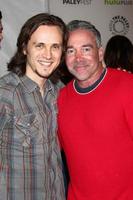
[119, 25]
[77, 2]
[118, 2]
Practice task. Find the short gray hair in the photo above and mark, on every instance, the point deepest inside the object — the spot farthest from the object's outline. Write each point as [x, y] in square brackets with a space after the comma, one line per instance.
[80, 24]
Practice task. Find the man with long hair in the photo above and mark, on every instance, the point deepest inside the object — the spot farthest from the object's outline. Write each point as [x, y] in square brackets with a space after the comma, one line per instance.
[30, 160]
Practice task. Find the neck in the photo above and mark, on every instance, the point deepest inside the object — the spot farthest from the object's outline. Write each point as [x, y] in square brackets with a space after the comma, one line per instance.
[39, 81]
[41, 85]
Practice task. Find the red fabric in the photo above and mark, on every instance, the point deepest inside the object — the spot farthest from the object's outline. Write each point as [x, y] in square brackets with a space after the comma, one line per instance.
[96, 133]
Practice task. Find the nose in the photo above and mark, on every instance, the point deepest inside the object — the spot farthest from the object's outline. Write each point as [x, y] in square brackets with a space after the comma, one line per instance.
[78, 55]
[48, 53]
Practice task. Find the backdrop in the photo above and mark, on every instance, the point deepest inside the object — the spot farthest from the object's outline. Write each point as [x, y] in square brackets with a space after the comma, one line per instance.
[109, 16]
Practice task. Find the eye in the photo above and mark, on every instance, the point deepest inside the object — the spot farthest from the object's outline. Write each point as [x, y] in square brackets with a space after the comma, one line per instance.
[70, 51]
[86, 49]
[56, 46]
[40, 45]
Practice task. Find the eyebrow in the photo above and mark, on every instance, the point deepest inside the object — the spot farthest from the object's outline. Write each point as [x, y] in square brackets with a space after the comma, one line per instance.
[70, 47]
[46, 43]
[88, 45]
[85, 45]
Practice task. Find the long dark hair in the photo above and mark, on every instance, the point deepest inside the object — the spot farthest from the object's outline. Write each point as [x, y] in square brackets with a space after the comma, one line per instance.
[0, 15]
[119, 53]
[17, 63]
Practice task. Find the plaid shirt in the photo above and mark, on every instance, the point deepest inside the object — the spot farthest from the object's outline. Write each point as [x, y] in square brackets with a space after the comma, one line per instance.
[30, 162]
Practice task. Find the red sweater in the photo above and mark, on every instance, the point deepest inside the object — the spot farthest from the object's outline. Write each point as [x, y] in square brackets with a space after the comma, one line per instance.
[96, 133]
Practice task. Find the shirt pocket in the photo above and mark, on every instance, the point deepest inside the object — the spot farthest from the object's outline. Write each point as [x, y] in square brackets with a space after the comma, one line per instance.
[6, 122]
[6, 127]
[27, 129]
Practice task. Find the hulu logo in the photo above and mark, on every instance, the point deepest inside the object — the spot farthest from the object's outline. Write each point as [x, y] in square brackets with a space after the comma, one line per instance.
[118, 2]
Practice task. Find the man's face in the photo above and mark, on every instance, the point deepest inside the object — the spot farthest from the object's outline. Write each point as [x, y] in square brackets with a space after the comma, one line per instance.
[1, 31]
[83, 57]
[43, 51]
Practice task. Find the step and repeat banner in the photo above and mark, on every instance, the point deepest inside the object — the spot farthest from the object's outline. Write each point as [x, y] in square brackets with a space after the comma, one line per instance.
[109, 16]
[15, 13]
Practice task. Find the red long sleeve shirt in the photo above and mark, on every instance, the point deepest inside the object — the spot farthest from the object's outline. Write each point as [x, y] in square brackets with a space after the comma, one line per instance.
[96, 133]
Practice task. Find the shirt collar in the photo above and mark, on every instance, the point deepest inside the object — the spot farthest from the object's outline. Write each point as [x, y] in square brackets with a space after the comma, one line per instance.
[30, 85]
[90, 88]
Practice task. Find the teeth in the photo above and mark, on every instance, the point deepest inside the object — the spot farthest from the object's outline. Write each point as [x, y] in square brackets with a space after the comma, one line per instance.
[45, 63]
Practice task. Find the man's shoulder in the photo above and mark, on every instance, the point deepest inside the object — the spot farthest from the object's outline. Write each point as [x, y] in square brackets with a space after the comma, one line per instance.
[121, 80]
[9, 78]
[54, 87]
[67, 86]
[9, 82]
[59, 85]
[120, 74]
[67, 89]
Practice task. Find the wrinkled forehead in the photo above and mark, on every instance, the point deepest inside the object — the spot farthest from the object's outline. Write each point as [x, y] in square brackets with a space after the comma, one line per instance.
[81, 37]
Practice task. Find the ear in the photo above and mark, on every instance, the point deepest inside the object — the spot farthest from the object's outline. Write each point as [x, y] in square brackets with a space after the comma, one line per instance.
[101, 53]
[24, 49]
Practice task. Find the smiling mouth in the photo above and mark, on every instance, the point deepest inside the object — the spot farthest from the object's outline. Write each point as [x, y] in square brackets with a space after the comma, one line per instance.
[44, 63]
[80, 67]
